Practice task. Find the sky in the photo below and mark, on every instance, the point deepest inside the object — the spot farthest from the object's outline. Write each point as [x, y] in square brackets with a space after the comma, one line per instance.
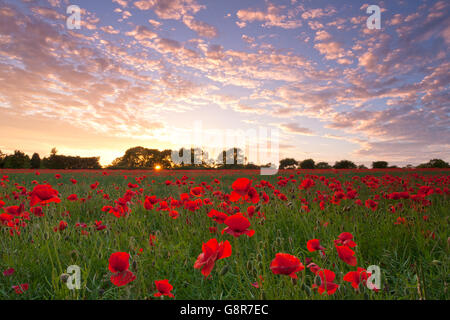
[147, 72]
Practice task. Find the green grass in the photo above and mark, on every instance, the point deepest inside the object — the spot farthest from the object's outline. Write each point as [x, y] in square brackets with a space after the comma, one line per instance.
[408, 260]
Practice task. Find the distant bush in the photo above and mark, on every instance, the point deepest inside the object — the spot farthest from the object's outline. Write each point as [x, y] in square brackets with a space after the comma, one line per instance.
[344, 164]
[323, 165]
[55, 161]
[18, 160]
[379, 165]
[288, 163]
[35, 161]
[434, 163]
[308, 164]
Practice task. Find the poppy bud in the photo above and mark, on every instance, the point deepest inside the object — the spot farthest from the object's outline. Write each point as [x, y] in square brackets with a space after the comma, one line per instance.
[259, 257]
[64, 277]
[224, 270]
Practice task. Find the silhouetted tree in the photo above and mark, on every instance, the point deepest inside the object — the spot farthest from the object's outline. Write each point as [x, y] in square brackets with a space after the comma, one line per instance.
[55, 161]
[434, 163]
[2, 159]
[307, 164]
[379, 165]
[323, 165]
[18, 160]
[288, 163]
[35, 161]
[344, 164]
[140, 158]
[165, 159]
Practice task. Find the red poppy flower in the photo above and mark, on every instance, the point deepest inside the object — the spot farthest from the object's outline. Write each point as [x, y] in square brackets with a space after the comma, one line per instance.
[345, 238]
[326, 283]
[99, 226]
[62, 225]
[152, 240]
[347, 255]
[371, 204]
[164, 288]
[400, 220]
[197, 191]
[16, 210]
[212, 251]
[251, 211]
[173, 214]
[5, 217]
[119, 264]
[238, 225]
[43, 194]
[242, 188]
[94, 185]
[148, 205]
[314, 245]
[37, 211]
[218, 216]
[21, 288]
[314, 268]
[286, 264]
[253, 194]
[306, 184]
[213, 229]
[266, 198]
[256, 284]
[356, 277]
[9, 272]
[72, 197]
[13, 210]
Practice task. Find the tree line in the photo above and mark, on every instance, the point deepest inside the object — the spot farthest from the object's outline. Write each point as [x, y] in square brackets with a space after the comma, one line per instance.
[191, 158]
[186, 159]
[291, 163]
[20, 160]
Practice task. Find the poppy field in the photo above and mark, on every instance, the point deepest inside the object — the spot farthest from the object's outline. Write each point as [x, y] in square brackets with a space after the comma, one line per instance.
[218, 235]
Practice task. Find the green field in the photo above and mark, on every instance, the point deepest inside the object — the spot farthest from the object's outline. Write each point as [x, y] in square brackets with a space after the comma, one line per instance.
[413, 254]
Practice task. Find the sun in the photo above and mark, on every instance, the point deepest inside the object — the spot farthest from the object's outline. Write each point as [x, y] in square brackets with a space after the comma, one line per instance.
[157, 167]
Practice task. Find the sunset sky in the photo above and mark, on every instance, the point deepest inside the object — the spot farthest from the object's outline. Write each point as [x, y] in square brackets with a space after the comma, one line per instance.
[141, 73]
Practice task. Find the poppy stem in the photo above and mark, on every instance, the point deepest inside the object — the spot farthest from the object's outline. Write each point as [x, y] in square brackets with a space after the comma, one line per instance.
[238, 262]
